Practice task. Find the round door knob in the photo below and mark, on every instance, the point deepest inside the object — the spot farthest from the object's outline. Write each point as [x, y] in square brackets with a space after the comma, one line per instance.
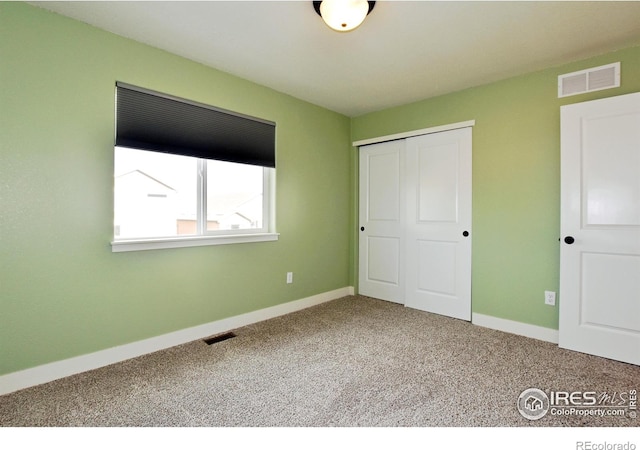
[569, 240]
[465, 233]
[361, 228]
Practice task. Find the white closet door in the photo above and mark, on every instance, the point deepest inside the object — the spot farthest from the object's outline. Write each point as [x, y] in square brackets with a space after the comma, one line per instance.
[438, 223]
[381, 253]
[600, 226]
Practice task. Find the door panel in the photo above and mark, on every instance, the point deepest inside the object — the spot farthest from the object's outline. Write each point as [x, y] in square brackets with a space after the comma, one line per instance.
[383, 184]
[610, 170]
[438, 183]
[611, 277]
[600, 267]
[437, 266]
[438, 212]
[383, 260]
[381, 253]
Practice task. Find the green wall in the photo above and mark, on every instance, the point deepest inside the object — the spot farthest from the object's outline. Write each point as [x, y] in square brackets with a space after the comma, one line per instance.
[516, 179]
[63, 292]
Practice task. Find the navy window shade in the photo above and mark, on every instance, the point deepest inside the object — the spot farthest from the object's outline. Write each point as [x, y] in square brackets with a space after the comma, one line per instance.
[148, 120]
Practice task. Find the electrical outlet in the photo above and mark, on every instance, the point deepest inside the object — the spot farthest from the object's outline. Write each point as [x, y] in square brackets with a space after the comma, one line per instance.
[550, 298]
[289, 277]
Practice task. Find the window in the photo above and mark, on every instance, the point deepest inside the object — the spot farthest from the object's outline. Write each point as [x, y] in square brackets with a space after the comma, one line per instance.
[162, 195]
[170, 192]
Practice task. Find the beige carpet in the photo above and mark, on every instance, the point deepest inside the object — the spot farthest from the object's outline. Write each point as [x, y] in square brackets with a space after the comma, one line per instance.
[353, 362]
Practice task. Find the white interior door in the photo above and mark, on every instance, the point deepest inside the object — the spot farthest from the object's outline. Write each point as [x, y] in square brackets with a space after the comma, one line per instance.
[600, 226]
[381, 253]
[438, 223]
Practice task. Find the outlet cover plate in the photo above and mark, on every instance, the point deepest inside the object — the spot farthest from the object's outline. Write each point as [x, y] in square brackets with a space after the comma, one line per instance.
[550, 298]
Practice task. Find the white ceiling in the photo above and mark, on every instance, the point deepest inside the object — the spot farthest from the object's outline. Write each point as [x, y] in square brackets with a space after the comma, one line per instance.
[405, 51]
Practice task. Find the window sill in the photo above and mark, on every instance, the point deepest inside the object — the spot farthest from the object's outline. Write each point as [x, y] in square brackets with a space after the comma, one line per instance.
[133, 245]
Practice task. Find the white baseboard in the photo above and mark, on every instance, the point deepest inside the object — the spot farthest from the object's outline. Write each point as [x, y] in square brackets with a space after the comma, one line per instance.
[60, 369]
[520, 328]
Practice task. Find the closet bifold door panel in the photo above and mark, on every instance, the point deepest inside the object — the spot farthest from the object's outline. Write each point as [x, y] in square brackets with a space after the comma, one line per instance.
[438, 223]
[423, 185]
[381, 257]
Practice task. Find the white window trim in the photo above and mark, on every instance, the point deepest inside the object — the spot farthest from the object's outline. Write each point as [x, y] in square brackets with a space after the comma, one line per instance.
[132, 245]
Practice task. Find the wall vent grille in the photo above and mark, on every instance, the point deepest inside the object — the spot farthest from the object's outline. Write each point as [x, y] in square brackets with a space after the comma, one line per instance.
[589, 80]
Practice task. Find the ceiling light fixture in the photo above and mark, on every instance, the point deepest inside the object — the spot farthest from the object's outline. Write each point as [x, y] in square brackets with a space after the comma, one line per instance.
[343, 15]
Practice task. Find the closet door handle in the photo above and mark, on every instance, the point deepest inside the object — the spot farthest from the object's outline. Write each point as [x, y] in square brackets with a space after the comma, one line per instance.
[465, 233]
[569, 240]
[361, 228]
